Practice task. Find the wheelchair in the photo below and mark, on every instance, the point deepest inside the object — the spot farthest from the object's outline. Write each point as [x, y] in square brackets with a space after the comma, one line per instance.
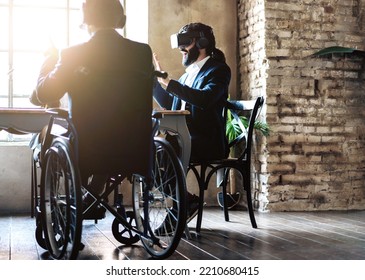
[157, 196]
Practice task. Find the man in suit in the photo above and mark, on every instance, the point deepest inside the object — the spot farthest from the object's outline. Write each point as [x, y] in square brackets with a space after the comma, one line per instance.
[202, 90]
[109, 83]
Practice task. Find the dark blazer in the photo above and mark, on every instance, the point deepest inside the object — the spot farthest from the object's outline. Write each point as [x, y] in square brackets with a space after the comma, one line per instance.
[109, 82]
[205, 100]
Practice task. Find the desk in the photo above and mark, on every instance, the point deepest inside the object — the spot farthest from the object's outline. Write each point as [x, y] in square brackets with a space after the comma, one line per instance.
[21, 121]
[175, 122]
[32, 120]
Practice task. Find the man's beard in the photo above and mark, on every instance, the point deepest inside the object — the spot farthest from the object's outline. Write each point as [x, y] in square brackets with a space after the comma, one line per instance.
[191, 56]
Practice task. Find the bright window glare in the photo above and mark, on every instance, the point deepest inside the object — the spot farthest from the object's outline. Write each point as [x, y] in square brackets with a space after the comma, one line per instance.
[4, 28]
[137, 26]
[3, 79]
[39, 3]
[25, 76]
[29, 27]
[37, 28]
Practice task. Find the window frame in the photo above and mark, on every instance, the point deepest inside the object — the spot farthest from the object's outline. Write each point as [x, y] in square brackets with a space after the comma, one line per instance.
[9, 94]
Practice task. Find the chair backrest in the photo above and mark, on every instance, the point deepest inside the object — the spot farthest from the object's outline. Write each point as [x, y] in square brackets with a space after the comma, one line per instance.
[238, 110]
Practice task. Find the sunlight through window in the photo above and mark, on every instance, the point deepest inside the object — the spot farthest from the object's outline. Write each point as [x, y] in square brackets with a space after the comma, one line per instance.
[137, 20]
[29, 27]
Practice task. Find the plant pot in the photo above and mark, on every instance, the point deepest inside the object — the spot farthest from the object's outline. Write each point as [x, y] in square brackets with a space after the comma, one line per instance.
[232, 199]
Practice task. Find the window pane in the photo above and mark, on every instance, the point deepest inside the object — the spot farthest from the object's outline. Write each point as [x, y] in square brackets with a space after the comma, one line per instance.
[77, 35]
[4, 77]
[25, 74]
[38, 25]
[4, 27]
[3, 101]
[76, 4]
[44, 3]
[137, 20]
[23, 102]
[36, 28]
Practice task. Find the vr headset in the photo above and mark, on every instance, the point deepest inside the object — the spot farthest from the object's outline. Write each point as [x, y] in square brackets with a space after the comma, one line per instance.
[180, 40]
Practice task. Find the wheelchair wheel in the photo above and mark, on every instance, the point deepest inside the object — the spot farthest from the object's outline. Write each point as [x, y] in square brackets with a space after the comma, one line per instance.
[123, 234]
[61, 202]
[160, 207]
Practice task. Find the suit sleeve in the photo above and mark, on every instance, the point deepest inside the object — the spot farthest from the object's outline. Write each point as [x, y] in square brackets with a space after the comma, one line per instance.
[161, 96]
[52, 80]
[208, 88]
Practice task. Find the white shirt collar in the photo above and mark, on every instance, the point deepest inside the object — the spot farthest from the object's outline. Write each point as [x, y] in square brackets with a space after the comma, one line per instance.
[196, 66]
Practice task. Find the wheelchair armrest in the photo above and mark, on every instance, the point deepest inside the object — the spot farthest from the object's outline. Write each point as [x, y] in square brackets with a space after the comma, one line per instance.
[60, 124]
[157, 114]
[62, 113]
[160, 113]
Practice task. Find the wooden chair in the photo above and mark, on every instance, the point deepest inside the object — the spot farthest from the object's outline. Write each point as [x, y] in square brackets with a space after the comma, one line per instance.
[203, 171]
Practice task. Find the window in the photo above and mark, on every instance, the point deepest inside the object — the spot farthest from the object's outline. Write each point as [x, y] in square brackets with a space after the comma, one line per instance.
[137, 20]
[28, 28]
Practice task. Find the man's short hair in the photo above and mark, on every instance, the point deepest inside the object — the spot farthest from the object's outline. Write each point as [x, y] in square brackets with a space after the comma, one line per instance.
[104, 13]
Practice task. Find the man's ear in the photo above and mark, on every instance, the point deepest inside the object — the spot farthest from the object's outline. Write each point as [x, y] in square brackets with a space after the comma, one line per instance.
[202, 42]
[86, 10]
[121, 22]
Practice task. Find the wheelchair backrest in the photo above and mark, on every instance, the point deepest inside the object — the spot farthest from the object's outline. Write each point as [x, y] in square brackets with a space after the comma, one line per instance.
[112, 117]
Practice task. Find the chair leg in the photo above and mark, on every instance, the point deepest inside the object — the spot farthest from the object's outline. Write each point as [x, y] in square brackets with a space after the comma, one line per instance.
[250, 204]
[224, 194]
[225, 207]
[200, 211]
[202, 187]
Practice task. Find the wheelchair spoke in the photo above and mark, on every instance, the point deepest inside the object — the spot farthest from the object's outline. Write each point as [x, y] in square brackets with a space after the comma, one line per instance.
[60, 203]
[163, 202]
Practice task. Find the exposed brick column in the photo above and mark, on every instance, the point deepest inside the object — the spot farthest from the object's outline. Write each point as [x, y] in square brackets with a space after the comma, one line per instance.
[315, 106]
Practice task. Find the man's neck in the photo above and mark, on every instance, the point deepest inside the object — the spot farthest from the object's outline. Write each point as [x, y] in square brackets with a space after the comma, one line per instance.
[93, 29]
[202, 55]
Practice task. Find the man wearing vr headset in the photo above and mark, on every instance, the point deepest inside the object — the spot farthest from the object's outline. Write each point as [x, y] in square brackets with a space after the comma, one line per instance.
[82, 71]
[202, 90]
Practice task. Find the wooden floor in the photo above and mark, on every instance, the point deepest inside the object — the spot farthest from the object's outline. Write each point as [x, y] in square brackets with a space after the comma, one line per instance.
[280, 236]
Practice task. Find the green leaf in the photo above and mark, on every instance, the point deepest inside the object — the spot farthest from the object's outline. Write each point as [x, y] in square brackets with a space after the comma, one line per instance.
[340, 50]
[233, 129]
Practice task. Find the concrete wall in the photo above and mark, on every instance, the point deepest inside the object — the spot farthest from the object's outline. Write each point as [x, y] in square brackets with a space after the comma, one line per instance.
[166, 17]
[15, 178]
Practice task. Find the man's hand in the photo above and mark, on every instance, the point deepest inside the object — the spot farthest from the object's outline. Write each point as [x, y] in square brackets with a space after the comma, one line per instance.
[158, 67]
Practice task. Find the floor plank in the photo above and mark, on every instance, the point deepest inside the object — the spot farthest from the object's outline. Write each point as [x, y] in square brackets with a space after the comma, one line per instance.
[332, 235]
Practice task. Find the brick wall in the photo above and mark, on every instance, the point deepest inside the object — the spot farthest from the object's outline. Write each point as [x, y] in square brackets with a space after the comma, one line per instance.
[314, 158]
